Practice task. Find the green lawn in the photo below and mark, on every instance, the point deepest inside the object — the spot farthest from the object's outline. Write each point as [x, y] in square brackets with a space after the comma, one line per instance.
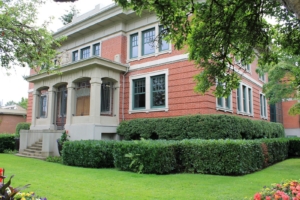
[56, 181]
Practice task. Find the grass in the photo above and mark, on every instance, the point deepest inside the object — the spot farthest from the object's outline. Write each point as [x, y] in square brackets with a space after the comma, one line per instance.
[57, 181]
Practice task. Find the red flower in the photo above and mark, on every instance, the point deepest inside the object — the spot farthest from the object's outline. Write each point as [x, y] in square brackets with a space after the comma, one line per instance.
[257, 196]
[268, 198]
[298, 187]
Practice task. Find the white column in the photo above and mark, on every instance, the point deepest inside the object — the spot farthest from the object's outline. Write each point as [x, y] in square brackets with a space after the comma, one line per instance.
[51, 108]
[35, 107]
[95, 99]
[70, 102]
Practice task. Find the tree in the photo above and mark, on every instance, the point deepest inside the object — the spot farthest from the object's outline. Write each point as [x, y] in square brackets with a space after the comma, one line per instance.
[68, 17]
[23, 103]
[10, 103]
[21, 42]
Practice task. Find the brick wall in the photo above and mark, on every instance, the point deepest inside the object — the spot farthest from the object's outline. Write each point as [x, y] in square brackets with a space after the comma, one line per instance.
[289, 122]
[8, 122]
[114, 46]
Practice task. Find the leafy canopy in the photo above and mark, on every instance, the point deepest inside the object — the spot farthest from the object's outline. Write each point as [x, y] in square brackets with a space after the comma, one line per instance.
[68, 17]
[215, 30]
[23, 43]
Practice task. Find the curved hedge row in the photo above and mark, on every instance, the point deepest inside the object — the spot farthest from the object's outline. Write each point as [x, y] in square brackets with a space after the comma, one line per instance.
[199, 127]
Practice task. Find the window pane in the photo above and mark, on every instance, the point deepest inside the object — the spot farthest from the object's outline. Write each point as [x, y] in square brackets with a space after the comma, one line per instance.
[250, 100]
[134, 46]
[265, 110]
[244, 98]
[158, 90]
[43, 106]
[96, 49]
[238, 98]
[83, 98]
[163, 45]
[75, 56]
[85, 53]
[148, 41]
[220, 102]
[105, 96]
[261, 105]
[139, 95]
[227, 102]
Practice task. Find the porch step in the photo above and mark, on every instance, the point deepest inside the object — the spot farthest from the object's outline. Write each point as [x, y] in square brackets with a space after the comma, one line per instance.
[34, 151]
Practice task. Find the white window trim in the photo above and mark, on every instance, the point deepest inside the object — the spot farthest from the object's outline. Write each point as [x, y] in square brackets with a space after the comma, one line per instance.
[262, 80]
[91, 45]
[247, 97]
[139, 32]
[224, 107]
[266, 108]
[147, 77]
[238, 63]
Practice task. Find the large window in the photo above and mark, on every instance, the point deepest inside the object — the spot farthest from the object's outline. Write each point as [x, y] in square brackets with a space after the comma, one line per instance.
[83, 98]
[149, 92]
[106, 97]
[163, 45]
[148, 45]
[263, 106]
[158, 95]
[224, 103]
[96, 49]
[243, 65]
[43, 105]
[139, 94]
[244, 100]
[85, 53]
[134, 46]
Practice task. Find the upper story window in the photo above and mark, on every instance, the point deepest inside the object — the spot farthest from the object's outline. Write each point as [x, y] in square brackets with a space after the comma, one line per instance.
[96, 49]
[85, 53]
[244, 100]
[148, 37]
[134, 46]
[163, 45]
[263, 106]
[243, 65]
[262, 77]
[75, 56]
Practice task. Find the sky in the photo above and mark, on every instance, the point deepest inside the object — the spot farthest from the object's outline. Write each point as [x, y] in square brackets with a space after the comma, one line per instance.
[12, 84]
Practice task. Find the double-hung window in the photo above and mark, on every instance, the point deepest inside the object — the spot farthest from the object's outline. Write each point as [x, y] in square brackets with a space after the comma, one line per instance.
[244, 100]
[263, 106]
[85, 53]
[74, 56]
[148, 45]
[224, 103]
[163, 44]
[158, 95]
[43, 105]
[149, 92]
[134, 46]
[96, 49]
[139, 94]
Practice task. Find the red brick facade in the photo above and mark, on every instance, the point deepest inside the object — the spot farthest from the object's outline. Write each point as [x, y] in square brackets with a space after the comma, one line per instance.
[289, 122]
[8, 122]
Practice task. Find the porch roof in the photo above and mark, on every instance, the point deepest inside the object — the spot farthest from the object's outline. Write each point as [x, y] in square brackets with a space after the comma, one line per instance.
[94, 61]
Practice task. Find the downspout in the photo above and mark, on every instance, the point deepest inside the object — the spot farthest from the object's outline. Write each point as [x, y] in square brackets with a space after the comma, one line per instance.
[123, 99]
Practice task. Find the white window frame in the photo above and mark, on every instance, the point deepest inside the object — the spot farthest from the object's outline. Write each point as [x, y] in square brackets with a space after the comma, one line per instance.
[223, 107]
[262, 78]
[239, 63]
[91, 45]
[263, 106]
[139, 33]
[147, 77]
[240, 100]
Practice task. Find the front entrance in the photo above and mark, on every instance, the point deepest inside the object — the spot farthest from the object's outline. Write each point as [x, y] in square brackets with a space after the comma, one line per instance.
[61, 107]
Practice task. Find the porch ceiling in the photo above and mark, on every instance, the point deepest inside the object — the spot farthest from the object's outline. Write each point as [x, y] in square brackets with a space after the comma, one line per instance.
[94, 61]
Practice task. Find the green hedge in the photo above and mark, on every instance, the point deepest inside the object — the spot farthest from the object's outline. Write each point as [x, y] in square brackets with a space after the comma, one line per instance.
[157, 157]
[199, 127]
[294, 147]
[88, 153]
[22, 126]
[7, 142]
[224, 157]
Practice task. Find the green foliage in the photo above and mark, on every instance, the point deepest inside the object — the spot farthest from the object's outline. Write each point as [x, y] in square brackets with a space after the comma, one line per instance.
[22, 126]
[294, 147]
[217, 30]
[10, 103]
[68, 17]
[145, 156]
[22, 42]
[64, 137]
[7, 142]
[9, 151]
[88, 153]
[23, 103]
[225, 157]
[55, 159]
[199, 127]
[277, 150]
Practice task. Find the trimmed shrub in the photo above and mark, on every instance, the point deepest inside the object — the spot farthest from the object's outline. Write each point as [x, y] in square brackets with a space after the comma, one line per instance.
[224, 157]
[199, 127]
[88, 153]
[7, 142]
[277, 150]
[149, 156]
[294, 147]
[22, 126]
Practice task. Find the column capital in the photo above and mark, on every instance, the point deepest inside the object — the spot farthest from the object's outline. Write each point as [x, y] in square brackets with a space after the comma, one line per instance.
[96, 80]
[71, 85]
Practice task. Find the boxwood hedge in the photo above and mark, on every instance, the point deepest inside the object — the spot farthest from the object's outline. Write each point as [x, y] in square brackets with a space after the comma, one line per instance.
[199, 127]
[7, 142]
